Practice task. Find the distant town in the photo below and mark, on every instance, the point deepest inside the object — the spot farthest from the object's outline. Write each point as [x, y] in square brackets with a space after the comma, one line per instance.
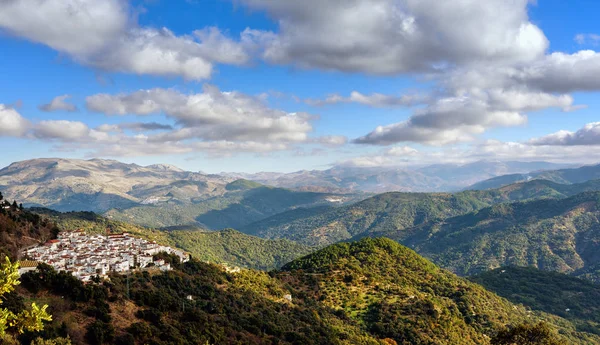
[87, 256]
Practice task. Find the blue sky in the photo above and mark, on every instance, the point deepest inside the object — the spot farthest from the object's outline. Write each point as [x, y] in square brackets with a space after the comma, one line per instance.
[257, 85]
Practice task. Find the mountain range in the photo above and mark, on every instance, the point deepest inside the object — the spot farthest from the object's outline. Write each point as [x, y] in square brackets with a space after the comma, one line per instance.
[433, 178]
[563, 176]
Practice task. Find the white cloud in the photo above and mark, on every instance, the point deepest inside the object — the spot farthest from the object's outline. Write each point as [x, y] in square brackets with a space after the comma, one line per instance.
[398, 36]
[332, 140]
[12, 124]
[448, 120]
[375, 100]
[103, 34]
[560, 72]
[401, 151]
[61, 130]
[211, 115]
[59, 103]
[589, 135]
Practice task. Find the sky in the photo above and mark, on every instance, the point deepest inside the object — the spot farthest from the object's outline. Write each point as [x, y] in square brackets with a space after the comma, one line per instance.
[263, 85]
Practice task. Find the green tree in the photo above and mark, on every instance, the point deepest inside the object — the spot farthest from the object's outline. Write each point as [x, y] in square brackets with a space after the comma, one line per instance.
[527, 334]
[57, 341]
[27, 320]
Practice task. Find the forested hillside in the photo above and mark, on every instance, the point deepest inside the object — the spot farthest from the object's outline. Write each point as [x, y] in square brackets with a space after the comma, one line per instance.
[370, 292]
[244, 203]
[20, 228]
[399, 211]
[575, 299]
[559, 235]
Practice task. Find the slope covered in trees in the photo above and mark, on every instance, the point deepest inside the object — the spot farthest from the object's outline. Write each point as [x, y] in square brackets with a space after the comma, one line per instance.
[20, 228]
[398, 211]
[575, 299]
[370, 292]
[558, 235]
[244, 202]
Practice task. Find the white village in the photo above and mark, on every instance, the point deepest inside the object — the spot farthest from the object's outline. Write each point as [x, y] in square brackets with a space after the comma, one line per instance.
[87, 256]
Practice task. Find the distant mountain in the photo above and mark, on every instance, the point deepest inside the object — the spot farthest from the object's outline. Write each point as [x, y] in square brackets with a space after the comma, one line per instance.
[398, 211]
[153, 196]
[575, 299]
[371, 292]
[434, 178]
[99, 185]
[242, 204]
[564, 176]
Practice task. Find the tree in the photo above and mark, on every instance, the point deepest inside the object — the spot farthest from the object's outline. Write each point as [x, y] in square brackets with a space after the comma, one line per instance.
[527, 334]
[27, 320]
[57, 341]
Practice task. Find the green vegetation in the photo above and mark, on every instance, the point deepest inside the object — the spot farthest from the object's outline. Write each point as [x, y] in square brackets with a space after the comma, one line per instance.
[242, 185]
[394, 293]
[13, 320]
[243, 204]
[554, 235]
[370, 292]
[572, 298]
[233, 247]
[397, 212]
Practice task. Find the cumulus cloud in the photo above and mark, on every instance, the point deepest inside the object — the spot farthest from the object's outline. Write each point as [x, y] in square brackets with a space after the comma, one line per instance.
[375, 100]
[460, 118]
[588, 135]
[391, 36]
[12, 124]
[210, 115]
[59, 103]
[561, 72]
[104, 34]
[61, 130]
[448, 120]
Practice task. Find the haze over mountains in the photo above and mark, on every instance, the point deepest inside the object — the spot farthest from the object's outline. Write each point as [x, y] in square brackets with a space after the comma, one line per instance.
[99, 185]
[564, 176]
[431, 178]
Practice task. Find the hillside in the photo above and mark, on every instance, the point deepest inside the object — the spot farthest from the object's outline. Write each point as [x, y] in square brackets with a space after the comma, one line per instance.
[235, 248]
[222, 247]
[240, 206]
[558, 235]
[562, 176]
[99, 185]
[20, 228]
[153, 196]
[369, 292]
[559, 294]
[398, 211]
